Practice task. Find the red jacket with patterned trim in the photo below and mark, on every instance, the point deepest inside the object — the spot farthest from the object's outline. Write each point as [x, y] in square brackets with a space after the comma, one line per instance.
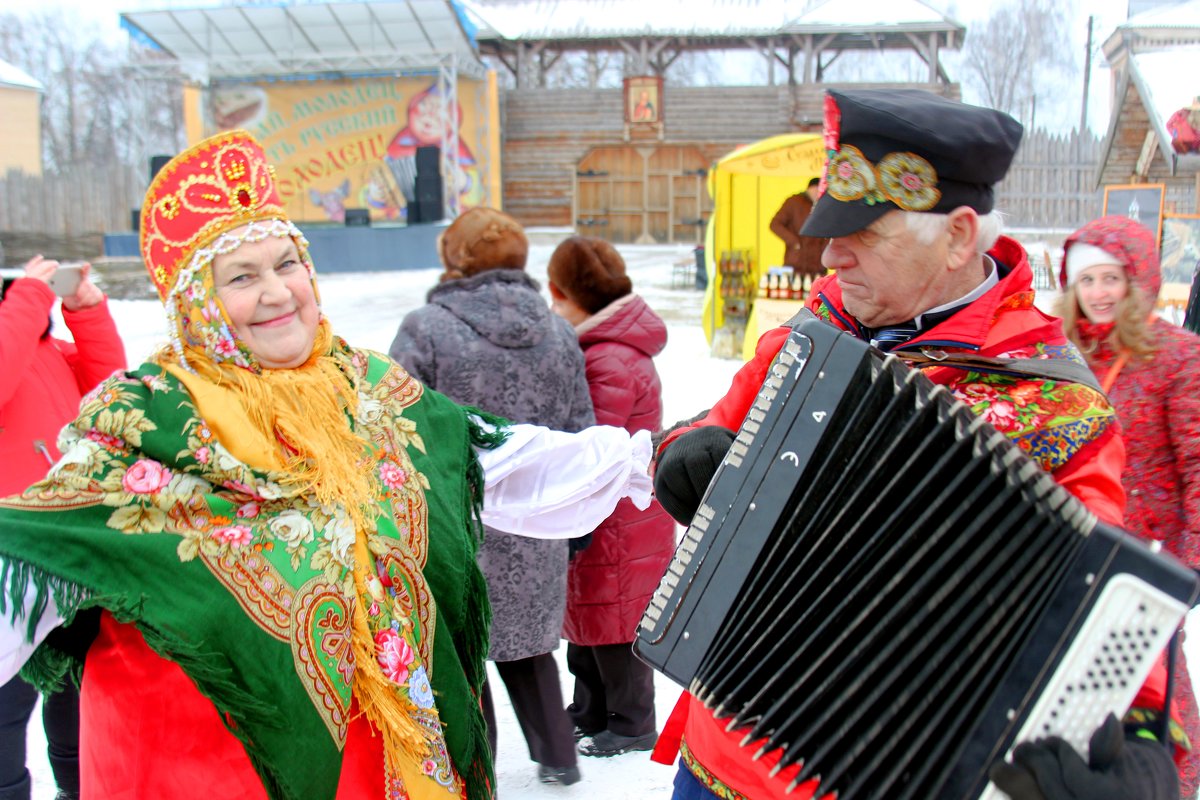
[1068, 428]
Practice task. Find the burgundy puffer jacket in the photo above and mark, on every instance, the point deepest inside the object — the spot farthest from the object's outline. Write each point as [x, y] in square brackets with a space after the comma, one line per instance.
[610, 583]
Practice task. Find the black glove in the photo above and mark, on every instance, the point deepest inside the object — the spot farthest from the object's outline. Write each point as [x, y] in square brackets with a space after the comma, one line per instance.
[1118, 768]
[685, 468]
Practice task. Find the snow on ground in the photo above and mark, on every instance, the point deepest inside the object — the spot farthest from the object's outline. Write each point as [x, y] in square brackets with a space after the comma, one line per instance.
[366, 309]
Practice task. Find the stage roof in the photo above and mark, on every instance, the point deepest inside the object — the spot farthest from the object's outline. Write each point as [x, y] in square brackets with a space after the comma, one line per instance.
[280, 41]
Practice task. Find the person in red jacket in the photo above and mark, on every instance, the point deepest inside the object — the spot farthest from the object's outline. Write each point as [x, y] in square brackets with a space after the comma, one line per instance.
[1151, 372]
[611, 581]
[41, 384]
[919, 266]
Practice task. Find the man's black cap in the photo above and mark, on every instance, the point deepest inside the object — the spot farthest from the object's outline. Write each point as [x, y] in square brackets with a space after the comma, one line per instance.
[907, 149]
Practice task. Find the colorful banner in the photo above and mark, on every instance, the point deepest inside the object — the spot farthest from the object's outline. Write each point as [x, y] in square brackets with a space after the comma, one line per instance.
[352, 143]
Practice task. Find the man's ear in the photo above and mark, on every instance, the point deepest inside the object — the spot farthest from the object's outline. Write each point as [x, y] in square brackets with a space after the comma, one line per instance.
[556, 293]
[962, 230]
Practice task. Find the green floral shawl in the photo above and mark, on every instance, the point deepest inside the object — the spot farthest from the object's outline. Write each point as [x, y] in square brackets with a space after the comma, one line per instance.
[249, 589]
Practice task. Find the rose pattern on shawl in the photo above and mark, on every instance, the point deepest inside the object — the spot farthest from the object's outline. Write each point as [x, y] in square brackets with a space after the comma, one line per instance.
[392, 475]
[394, 655]
[1049, 420]
[233, 536]
[201, 487]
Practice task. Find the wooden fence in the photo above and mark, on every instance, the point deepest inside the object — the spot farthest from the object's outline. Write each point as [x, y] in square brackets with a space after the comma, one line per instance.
[1052, 183]
[1050, 186]
[72, 203]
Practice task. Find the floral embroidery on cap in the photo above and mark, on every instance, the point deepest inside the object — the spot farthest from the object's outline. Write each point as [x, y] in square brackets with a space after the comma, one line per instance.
[909, 181]
[850, 176]
[905, 179]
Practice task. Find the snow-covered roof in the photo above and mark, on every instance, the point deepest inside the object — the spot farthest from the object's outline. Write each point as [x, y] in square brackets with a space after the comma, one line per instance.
[872, 15]
[1166, 81]
[1154, 29]
[1183, 15]
[287, 39]
[540, 20]
[607, 19]
[13, 76]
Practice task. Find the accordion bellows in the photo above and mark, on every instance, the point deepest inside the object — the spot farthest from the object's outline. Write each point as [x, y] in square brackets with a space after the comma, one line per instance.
[886, 589]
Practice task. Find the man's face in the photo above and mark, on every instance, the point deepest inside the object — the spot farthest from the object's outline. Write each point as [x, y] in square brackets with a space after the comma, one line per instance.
[886, 277]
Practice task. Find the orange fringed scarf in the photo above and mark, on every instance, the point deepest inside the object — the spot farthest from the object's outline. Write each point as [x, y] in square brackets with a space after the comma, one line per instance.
[306, 412]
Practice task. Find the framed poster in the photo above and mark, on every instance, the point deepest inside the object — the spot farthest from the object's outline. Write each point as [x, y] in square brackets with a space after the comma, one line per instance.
[1141, 202]
[643, 99]
[1180, 247]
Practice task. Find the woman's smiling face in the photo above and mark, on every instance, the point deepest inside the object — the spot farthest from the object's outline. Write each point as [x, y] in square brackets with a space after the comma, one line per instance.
[268, 295]
[1099, 290]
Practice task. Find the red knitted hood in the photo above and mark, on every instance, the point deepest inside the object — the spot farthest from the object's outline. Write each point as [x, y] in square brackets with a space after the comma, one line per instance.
[1130, 242]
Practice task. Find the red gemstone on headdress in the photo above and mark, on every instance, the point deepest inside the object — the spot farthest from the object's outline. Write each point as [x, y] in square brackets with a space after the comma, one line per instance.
[244, 199]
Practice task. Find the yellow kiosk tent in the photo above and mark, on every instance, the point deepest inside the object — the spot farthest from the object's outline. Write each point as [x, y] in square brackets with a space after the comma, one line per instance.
[747, 187]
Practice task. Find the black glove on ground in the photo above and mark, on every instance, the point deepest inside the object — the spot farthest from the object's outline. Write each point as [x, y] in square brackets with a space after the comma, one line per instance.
[1118, 768]
[685, 468]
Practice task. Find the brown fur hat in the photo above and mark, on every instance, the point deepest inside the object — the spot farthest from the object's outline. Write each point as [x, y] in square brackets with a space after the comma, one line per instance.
[482, 239]
[590, 272]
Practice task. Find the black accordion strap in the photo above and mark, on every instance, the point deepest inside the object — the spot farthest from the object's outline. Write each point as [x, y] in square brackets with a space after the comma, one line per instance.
[1058, 369]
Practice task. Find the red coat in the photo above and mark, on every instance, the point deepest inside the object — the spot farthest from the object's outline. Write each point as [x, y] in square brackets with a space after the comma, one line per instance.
[43, 379]
[1158, 402]
[610, 582]
[1003, 322]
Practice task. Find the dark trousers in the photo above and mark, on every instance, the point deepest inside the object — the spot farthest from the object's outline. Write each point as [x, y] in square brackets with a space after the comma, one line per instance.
[536, 695]
[688, 786]
[60, 718]
[613, 690]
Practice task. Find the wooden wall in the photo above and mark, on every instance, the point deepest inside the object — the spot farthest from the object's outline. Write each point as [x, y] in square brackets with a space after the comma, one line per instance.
[79, 201]
[547, 132]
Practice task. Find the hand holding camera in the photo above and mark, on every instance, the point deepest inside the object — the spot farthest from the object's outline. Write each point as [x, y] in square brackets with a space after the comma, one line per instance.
[69, 280]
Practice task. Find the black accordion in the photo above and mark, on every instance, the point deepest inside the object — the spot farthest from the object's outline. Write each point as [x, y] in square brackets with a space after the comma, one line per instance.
[889, 591]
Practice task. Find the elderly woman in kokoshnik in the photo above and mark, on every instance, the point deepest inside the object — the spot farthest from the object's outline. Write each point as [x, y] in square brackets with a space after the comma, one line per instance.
[260, 544]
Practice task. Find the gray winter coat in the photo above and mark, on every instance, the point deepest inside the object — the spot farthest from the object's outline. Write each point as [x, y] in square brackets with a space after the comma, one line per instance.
[491, 341]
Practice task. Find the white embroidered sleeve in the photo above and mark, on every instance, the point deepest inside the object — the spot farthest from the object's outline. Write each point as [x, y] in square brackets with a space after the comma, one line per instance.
[14, 649]
[548, 484]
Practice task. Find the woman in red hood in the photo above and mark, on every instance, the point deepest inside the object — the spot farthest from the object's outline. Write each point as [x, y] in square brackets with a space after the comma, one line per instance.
[1151, 372]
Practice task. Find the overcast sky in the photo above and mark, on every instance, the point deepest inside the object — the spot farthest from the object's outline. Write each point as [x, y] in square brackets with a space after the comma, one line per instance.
[1059, 109]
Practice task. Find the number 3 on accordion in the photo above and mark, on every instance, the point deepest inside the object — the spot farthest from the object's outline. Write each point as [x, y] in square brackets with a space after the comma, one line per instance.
[886, 590]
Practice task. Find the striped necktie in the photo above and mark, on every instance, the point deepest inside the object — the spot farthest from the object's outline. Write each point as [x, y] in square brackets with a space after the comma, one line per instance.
[892, 336]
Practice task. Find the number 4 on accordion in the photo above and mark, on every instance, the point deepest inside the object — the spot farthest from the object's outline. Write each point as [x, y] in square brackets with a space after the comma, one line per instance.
[886, 591]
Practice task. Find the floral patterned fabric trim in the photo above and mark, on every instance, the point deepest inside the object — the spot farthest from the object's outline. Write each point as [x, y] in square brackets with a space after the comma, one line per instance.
[710, 781]
[1146, 718]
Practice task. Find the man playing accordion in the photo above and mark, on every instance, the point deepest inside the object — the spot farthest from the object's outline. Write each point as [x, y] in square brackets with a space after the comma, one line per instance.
[919, 268]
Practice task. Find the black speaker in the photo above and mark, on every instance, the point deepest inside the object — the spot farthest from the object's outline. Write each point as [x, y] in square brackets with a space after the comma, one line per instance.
[358, 218]
[427, 204]
[429, 160]
[157, 163]
[429, 189]
[135, 220]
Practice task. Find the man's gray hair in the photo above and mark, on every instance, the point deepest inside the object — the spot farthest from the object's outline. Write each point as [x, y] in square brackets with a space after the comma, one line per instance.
[927, 226]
